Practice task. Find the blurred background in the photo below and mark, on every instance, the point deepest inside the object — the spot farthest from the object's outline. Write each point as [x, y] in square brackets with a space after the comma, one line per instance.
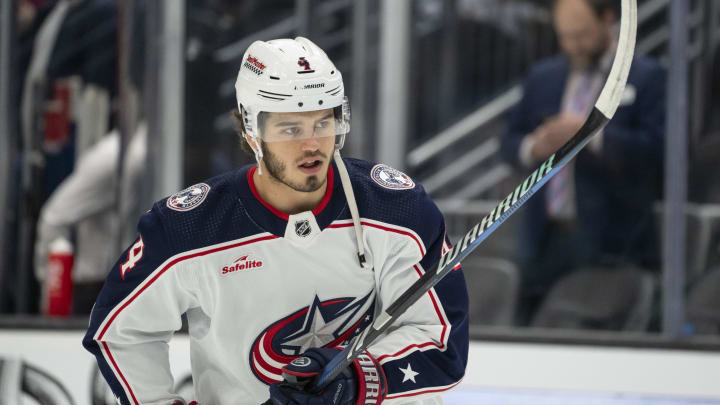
[107, 106]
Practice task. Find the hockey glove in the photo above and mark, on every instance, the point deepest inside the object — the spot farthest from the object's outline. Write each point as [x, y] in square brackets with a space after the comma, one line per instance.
[362, 383]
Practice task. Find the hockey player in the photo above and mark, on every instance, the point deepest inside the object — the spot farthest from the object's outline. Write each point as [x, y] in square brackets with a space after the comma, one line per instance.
[278, 264]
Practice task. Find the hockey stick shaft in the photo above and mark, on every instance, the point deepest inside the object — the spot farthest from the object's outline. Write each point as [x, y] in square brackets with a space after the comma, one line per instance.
[602, 112]
[472, 239]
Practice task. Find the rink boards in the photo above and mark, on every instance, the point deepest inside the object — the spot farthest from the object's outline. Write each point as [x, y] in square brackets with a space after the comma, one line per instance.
[498, 373]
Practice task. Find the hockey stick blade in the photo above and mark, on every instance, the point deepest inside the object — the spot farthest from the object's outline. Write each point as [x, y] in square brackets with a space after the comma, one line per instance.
[602, 112]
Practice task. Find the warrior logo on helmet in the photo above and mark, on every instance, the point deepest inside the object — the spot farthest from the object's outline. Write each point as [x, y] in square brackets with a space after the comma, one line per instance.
[329, 323]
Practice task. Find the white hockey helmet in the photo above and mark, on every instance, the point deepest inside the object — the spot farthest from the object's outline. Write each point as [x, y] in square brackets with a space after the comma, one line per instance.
[290, 75]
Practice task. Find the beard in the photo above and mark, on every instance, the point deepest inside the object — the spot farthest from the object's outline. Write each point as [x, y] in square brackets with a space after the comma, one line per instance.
[276, 169]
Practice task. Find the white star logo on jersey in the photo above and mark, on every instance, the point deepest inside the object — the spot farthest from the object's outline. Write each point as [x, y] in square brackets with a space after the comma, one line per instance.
[328, 323]
[316, 332]
[408, 373]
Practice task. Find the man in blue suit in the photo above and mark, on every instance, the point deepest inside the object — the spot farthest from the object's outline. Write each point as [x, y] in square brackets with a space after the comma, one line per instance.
[598, 210]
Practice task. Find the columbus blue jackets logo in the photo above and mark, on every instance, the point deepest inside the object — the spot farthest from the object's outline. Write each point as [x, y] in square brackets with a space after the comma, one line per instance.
[304, 63]
[393, 179]
[329, 323]
[189, 198]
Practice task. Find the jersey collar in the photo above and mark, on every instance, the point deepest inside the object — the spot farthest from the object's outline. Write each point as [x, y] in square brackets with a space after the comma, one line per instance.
[271, 219]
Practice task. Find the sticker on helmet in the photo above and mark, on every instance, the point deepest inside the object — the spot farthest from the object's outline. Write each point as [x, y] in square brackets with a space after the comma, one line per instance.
[254, 65]
[189, 198]
[393, 179]
[305, 64]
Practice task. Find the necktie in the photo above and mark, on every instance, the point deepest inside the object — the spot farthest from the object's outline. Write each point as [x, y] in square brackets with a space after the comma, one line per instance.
[560, 193]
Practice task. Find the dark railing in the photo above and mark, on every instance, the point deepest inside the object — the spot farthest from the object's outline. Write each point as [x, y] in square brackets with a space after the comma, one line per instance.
[477, 333]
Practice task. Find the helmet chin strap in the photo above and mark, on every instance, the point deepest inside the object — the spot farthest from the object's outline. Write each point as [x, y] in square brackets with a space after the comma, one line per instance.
[350, 197]
[258, 159]
[257, 151]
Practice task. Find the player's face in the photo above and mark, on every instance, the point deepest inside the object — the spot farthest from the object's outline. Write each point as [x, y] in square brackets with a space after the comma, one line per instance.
[297, 148]
[584, 37]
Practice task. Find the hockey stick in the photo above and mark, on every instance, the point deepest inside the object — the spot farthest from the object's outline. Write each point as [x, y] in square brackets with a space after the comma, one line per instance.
[602, 112]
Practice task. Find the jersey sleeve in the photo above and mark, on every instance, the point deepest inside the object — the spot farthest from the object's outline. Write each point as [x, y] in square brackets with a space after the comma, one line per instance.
[425, 351]
[136, 314]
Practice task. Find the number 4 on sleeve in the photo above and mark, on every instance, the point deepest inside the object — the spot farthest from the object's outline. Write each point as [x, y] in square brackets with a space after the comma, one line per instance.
[134, 255]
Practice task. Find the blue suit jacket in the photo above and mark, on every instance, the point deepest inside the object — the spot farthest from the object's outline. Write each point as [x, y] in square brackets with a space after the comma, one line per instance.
[615, 188]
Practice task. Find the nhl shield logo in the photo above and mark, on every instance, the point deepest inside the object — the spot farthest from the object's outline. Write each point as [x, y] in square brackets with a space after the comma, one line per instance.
[302, 228]
[189, 198]
[393, 179]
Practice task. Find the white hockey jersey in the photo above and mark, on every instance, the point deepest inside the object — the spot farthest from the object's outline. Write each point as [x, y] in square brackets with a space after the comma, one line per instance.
[259, 287]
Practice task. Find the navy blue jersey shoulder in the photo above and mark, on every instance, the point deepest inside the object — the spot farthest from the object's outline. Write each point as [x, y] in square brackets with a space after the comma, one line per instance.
[407, 207]
[217, 217]
[412, 208]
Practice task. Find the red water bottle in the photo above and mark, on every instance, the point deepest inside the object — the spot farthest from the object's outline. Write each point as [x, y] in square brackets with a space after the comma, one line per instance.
[58, 284]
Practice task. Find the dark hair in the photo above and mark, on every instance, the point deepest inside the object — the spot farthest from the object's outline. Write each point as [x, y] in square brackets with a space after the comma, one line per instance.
[240, 128]
[601, 6]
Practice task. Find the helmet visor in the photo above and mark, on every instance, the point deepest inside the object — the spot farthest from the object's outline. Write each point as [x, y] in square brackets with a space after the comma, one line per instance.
[297, 126]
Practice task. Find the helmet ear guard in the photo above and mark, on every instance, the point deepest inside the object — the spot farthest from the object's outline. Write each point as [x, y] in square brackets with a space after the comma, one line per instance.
[342, 122]
[248, 120]
[249, 123]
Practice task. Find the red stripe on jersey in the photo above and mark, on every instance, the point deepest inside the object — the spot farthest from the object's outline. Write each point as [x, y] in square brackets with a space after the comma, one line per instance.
[267, 338]
[423, 392]
[384, 228]
[431, 293]
[267, 205]
[270, 335]
[426, 344]
[172, 263]
[112, 360]
[437, 311]
[169, 265]
[324, 304]
[328, 192]
[257, 356]
[263, 377]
